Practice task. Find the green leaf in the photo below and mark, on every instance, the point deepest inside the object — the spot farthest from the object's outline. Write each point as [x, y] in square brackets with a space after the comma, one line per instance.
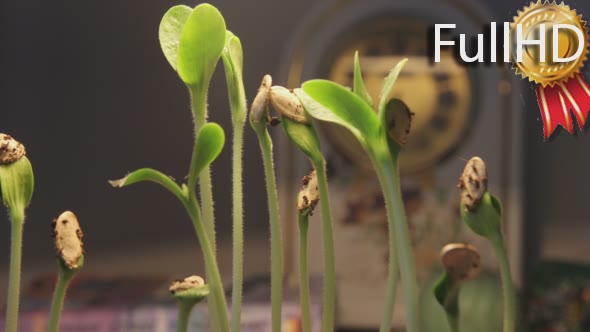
[170, 31]
[209, 144]
[328, 101]
[359, 84]
[201, 43]
[233, 63]
[305, 137]
[151, 175]
[17, 182]
[388, 84]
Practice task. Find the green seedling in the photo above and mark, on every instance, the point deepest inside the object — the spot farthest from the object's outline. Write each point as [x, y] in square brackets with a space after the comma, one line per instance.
[482, 213]
[306, 201]
[301, 132]
[232, 56]
[208, 146]
[188, 292]
[382, 135]
[16, 184]
[67, 236]
[462, 263]
[259, 118]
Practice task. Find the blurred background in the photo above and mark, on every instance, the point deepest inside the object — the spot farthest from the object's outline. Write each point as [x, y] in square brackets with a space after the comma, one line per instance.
[84, 85]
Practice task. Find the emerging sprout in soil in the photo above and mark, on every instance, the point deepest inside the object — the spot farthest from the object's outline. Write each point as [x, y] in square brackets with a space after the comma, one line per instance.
[188, 291]
[482, 213]
[258, 120]
[16, 184]
[69, 248]
[327, 101]
[306, 201]
[462, 263]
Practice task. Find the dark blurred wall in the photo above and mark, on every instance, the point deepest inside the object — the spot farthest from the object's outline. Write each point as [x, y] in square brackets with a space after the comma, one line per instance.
[84, 85]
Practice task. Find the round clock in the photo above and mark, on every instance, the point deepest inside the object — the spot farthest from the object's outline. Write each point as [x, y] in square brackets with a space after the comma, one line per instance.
[440, 94]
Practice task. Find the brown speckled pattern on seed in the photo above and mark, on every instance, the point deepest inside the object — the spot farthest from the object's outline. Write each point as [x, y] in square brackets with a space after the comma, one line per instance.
[473, 183]
[68, 239]
[10, 149]
[287, 103]
[309, 195]
[186, 283]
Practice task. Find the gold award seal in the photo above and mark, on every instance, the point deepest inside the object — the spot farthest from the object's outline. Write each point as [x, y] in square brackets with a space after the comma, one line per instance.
[561, 86]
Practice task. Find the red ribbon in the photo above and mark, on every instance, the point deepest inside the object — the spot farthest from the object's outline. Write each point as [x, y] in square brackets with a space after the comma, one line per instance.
[557, 101]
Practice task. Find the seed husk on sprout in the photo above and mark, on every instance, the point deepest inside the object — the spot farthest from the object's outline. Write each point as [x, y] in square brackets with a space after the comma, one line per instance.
[68, 239]
[186, 283]
[399, 121]
[309, 195]
[287, 103]
[473, 183]
[10, 149]
[461, 261]
[259, 109]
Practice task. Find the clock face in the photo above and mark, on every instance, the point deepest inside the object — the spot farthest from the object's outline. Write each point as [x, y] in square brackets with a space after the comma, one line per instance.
[440, 94]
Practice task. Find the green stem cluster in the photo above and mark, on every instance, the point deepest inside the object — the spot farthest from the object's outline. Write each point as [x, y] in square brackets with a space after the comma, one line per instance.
[219, 318]
[15, 270]
[216, 285]
[400, 246]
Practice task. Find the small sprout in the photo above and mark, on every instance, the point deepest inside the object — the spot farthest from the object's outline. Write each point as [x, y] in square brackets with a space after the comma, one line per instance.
[473, 183]
[309, 195]
[10, 149]
[191, 288]
[287, 103]
[398, 118]
[68, 239]
[461, 261]
[259, 110]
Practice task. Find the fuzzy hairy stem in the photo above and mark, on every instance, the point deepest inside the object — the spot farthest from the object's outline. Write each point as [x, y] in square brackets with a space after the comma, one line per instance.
[215, 283]
[59, 294]
[399, 246]
[329, 260]
[12, 303]
[303, 221]
[276, 247]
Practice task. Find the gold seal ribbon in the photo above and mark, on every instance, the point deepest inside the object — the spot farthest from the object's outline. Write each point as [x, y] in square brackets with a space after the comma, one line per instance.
[562, 87]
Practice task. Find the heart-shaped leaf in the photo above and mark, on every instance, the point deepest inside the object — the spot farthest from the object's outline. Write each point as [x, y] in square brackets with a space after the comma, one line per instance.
[359, 84]
[201, 43]
[331, 102]
[209, 144]
[170, 31]
[305, 137]
[388, 84]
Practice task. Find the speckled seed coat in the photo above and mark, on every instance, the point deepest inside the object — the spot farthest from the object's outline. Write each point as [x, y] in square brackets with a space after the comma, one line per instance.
[473, 183]
[10, 149]
[259, 109]
[186, 283]
[461, 261]
[399, 121]
[308, 195]
[287, 103]
[68, 239]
